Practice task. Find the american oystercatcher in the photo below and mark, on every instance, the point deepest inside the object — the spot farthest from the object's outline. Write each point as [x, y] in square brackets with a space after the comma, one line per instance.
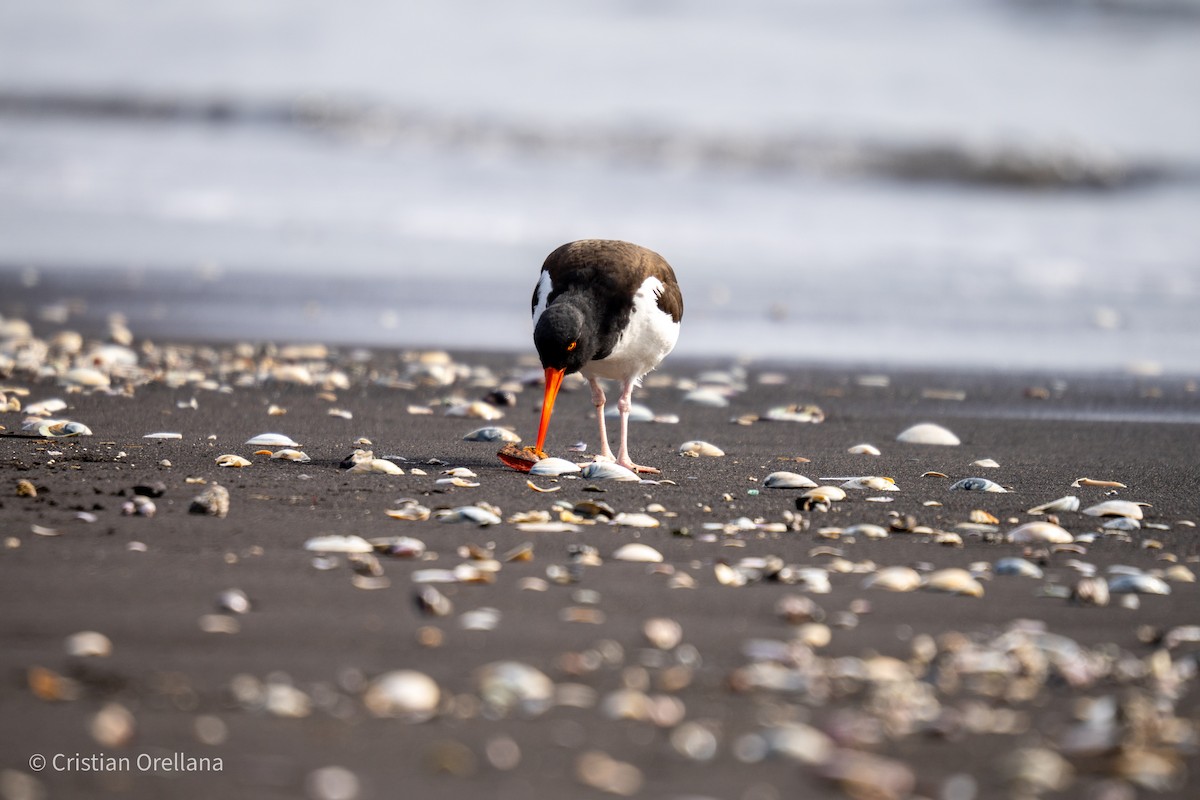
[607, 309]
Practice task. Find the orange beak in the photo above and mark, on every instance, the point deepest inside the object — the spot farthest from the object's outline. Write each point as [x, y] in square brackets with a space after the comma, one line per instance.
[554, 379]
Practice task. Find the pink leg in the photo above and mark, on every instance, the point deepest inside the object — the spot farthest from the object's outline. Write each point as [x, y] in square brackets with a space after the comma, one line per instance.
[624, 403]
[598, 401]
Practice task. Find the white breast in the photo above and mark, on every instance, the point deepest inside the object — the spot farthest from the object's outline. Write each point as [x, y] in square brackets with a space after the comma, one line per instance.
[646, 340]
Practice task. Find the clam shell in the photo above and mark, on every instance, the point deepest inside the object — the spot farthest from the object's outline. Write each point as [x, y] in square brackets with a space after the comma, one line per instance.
[893, 579]
[472, 514]
[788, 480]
[1116, 508]
[825, 494]
[62, 428]
[700, 448]
[638, 552]
[1139, 583]
[1039, 532]
[864, 450]
[232, 460]
[635, 520]
[977, 485]
[337, 543]
[1017, 566]
[89, 644]
[607, 471]
[709, 398]
[491, 434]
[1067, 503]
[376, 465]
[288, 454]
[163, 435]
[512, 686]
[954, 580]
[272, 440]
[553, 467]
[796, 413]
[405, 694]
[928, 433]
[875, 483]
[867, 529]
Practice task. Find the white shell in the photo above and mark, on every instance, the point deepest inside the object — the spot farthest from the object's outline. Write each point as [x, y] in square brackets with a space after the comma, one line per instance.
[89, 644]
[875, 483]
[987, 463]
[407, 694]
[472, 514]
[710, 398]
[825, 494]
[1017, 566]
[376, 465]
[232, 460]
[163, 436]
[954, 580]
[338, 544]
[288, 454]
[553, 467]
[272, 440]
[44, 408]
[1068, 503]
[635, 520]
[608, 470]
[977, 485]
[788, 480]
[864, 450]
[491, 434]
[697, 447]
[867, 529]
[928, 433]
[1039, 532]
[61, 428]
[1140, 583]
[1116, 508]
[636, 551]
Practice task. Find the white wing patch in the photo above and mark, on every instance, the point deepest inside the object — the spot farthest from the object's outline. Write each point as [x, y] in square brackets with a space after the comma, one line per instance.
[646, 340]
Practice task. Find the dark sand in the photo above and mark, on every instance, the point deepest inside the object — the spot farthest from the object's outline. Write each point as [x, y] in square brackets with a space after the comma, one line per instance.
[317, 630]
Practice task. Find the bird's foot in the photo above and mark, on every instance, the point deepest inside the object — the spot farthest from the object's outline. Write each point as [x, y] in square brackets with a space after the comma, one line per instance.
[628, 464]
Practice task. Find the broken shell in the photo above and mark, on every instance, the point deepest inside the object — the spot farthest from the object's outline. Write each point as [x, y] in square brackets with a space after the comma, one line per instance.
[412, 511]
[545, 490]
[288, 454]
[864, 450]
[491, 434]
[553, 467]
[232, 460]
[636, 551]
[405, 694]
[62, 428]
[699, 448]
[1068, 503]
[788, 480]
[1090, 482]
[893, 579]
[1039, 532]
[607, 470]
[213, 501]
[954, 580]
[876, 483]
[1116, 508]
[473, 514]
[26, 488]
[928, 433]
[796, 413]
[977, 485]
[272, 440]
[1139, 583]
[338, 544]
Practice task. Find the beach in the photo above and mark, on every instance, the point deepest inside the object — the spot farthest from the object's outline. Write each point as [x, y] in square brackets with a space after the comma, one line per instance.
[725, 670]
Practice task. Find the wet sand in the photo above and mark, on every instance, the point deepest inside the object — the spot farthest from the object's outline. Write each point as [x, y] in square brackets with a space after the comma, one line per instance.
[942, 729]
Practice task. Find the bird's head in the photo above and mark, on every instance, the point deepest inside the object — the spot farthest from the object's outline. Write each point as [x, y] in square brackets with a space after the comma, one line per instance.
[565, 342]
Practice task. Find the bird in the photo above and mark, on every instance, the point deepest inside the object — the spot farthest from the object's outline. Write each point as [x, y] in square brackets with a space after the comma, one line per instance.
[610, 310]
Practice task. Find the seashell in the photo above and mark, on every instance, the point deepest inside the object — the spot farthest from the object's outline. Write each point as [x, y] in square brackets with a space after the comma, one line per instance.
[413, 512]
[635, 520]
[512, 686]
[1178, 573]
[1090, 591]
[825, 494]
[1039, 532]
[864, 450]
[275, 411]
[234, 601]
[709, 398]
[213, 501]
[662, 632]
[476, 409]
[986, 463]
[403, 694]
[86, 377]
[1122, 524]
[548, 527]
[788, 480]
[288, 454]
[1116, 508]
[473, 514]
[600, 771]
[545, 490]
[461, 483]
[89, 644]
[954, 580]
[163, 435]
[1068, 503]
[113, 726]
[340, 413]
[869, 530]
[1139, 583]
[928, 433]
[62, 428]
[608, 471]
[699, 448]
[638, 552]
[795, 413]
[140, 506]
[25, 488]
[479, 619]
[43, 408]
[893, 579]
[1017, 566]
[875, 483]
[553, 467]
[272, 440]
[977, 485]
[232, 460]
[491, 434]
[1105, 484]
[337, 543]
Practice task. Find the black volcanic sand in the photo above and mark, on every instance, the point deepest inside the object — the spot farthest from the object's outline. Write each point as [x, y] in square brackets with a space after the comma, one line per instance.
[315, 629]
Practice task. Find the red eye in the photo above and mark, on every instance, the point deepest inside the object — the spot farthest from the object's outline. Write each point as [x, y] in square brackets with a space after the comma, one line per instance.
[572, 346]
